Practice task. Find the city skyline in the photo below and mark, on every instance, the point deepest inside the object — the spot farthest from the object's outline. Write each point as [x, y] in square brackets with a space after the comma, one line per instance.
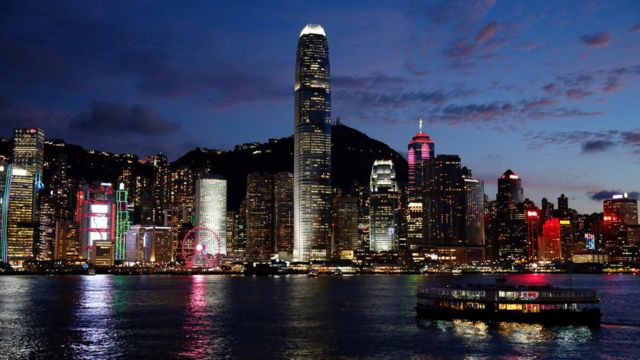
[538, 88]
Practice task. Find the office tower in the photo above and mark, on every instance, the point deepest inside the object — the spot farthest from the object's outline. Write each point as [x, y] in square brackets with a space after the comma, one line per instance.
[231, 225]
[563, 206]
[44, 246]
[474, 211]
[568, 242]
[546, 210]
[550, 246]
[122, 221]
[620, 213]
[67, 241]
[383, 207]
[421, 150]
[240, 229]
[345, 225]
[533, 233]
[445, 202]
[159, 187]
[259, 216]
[182, 192]
[509, 227]
[59, 185]
[150, 245]
[312, 147]
[211, 211]
[97, 227]
[283, 212]
[22, 181]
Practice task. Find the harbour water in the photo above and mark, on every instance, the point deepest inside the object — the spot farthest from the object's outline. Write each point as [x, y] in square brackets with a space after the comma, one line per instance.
[289, 316]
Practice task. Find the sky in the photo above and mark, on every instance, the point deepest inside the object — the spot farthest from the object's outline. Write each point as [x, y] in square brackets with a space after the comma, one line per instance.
[549, 89]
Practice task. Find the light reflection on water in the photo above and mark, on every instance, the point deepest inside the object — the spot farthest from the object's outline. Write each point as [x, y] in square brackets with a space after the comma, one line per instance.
[203, 317]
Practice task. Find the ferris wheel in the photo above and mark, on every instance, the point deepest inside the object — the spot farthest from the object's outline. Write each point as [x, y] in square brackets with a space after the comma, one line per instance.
[201, 248]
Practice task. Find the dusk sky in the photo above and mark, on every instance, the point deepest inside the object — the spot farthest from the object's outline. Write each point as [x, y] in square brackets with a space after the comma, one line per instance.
[549, 89]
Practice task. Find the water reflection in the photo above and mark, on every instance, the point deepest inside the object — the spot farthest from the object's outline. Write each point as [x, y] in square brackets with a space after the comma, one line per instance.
[93, 317]
[197, 324]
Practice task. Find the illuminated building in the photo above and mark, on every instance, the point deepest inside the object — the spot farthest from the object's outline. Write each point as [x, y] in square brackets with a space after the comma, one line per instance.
[563, 206]
[420, 151]
[259, 216]
[474, 211]
[97, 218]
[283, 212]
[22, 181]
[67, 240]
[444, 202]
[231, 225]
[150, 245]
[182, 192]
[240, 229]
[550, 246]
[46, 234]
[122, 222]
[312, 147]
[509, 229]
[546, 210]
[383, 207]
[620, 213]
[211, 212]
[345, 224]
[159, 187]
[533, 233]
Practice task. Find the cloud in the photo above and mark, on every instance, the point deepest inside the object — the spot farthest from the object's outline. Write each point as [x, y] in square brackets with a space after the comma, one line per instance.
[497, 111]
[487, 32]
[608, 194]
[596, 39]
[529, 45]
[577, 94]
[461, 13]
[371, 81]
[109, 118]
[588, 141]
[592, 146]
[635, 28]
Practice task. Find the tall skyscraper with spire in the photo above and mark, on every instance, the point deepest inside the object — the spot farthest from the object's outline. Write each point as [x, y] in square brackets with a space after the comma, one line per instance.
[420, 151]
[312, 149]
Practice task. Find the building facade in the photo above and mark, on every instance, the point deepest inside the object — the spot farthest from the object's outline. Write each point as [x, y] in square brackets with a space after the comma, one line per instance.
[211, 211]
[312, 147]
[384, 201]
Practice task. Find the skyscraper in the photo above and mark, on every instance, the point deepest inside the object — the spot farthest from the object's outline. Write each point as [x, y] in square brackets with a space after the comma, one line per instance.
[383, 207]
[259, 216]
[421, 150]
[97, 212]
[345, 224]
[211, 213]
[620, 212]
[283, 211]
[22, 180]
[312, 146]
[474, 211]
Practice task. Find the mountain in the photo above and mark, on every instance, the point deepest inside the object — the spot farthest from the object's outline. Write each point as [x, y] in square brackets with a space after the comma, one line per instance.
[353, 154]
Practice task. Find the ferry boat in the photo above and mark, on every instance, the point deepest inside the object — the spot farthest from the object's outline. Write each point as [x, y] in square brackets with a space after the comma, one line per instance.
[505, 302]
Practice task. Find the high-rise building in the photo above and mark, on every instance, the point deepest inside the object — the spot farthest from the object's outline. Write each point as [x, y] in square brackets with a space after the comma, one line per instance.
[550, 248]
[312, 147]
[283, 212]
[22, 181]
[211, 212]
[421, 150]
[383, 207]
[122, 222]
[620, 212]
[444, 202]
[563, 206]
[345, 225]
[259, 216]
[44, 247]
[67, 242]
[159, 187]
[96, 216]
[509, 228]
[474, 211]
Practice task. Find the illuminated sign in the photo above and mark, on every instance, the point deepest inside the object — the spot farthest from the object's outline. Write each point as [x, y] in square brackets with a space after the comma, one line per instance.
[532, 213]
[20, 172]
[590, 240]
[565, 222]
[513, 177]
[618, 196]
[99, 209]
